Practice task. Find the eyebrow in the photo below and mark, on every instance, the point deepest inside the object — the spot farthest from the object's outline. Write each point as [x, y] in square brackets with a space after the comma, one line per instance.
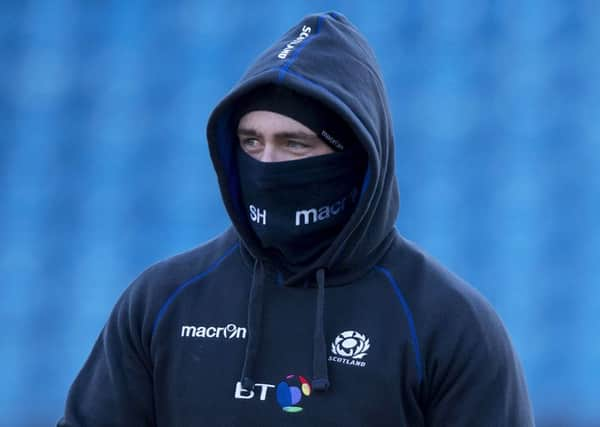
[284, 134]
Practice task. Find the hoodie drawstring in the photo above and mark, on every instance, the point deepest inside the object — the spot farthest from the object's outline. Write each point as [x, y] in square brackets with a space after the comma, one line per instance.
[255, 308]
[320, 380]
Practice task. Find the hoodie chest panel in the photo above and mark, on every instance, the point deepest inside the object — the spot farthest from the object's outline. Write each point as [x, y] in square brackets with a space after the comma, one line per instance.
[199, 353]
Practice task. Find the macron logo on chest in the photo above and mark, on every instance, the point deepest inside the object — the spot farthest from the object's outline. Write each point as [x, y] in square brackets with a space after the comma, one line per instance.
[228, 332]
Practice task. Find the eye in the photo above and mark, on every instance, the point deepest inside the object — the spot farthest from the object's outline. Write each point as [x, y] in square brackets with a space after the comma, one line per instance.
[297, 145]
[250, 143]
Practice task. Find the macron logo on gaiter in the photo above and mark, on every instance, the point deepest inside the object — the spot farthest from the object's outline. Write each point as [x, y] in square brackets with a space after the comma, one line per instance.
[312, 215]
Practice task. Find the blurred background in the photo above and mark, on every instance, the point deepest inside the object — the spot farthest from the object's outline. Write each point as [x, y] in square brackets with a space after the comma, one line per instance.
[104, 167]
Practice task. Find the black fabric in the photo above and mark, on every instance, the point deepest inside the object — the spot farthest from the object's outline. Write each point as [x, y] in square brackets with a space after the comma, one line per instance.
[297, 208]
[255, 313]
[320, 380]
[327, 125]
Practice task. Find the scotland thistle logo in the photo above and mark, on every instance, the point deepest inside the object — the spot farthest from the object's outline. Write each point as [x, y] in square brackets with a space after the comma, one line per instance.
[349, 348]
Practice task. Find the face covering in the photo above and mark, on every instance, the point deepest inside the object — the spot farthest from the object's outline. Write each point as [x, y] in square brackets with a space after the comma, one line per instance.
[296, 208]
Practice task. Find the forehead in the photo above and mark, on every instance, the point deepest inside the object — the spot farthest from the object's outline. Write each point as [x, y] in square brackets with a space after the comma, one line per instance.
[269, 122]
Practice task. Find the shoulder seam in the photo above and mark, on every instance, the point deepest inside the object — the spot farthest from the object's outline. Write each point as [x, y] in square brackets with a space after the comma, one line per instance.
[188, 282]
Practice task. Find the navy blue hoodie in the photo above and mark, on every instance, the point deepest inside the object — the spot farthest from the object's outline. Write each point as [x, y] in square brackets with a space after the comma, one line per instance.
[372, 333]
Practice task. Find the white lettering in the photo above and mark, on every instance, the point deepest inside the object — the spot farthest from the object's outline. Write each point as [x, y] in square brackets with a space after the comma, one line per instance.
[263, 389]
[187, 330]
[229, 331]
[242, 393]
[324, 213]
[258, 215]
[240, 333]
[262, 215]
[345, 361]
[291, 45]
[337, 144]
[307, 216]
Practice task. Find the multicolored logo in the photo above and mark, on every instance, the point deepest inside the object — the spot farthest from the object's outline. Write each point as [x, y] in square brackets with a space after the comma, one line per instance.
[290, 391]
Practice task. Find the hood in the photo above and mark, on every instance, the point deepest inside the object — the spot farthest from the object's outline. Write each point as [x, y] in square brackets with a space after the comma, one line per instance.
[326, 58]
[323, 57]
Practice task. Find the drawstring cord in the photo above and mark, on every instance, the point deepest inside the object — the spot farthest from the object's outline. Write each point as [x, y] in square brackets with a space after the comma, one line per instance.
[255, 308]
[320, 380]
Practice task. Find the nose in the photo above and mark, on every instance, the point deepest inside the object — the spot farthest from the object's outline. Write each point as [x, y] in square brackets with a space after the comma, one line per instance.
[270, 152]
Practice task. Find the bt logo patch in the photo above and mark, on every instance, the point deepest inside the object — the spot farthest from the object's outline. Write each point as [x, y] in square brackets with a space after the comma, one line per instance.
[349, 348]
[290, 390]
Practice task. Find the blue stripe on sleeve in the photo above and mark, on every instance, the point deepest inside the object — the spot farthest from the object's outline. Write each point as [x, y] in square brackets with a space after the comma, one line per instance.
[409, 318]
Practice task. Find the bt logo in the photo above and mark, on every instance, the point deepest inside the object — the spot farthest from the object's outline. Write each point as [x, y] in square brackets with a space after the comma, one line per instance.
[242, 393]
[288, 392]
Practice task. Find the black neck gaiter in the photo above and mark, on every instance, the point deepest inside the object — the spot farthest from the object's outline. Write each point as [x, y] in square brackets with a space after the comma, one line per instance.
[296, 208]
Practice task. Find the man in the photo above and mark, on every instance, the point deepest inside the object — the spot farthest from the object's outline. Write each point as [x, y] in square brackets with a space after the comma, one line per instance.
[312, 309]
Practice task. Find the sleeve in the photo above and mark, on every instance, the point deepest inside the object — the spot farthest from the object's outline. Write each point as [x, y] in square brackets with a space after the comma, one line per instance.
[114, 387]
[474, 375]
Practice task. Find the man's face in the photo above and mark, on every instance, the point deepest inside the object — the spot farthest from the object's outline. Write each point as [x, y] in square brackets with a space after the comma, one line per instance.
[272, 137]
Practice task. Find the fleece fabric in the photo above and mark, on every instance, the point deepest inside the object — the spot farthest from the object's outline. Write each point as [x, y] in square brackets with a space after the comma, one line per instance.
[373, 332]
[277, 194]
